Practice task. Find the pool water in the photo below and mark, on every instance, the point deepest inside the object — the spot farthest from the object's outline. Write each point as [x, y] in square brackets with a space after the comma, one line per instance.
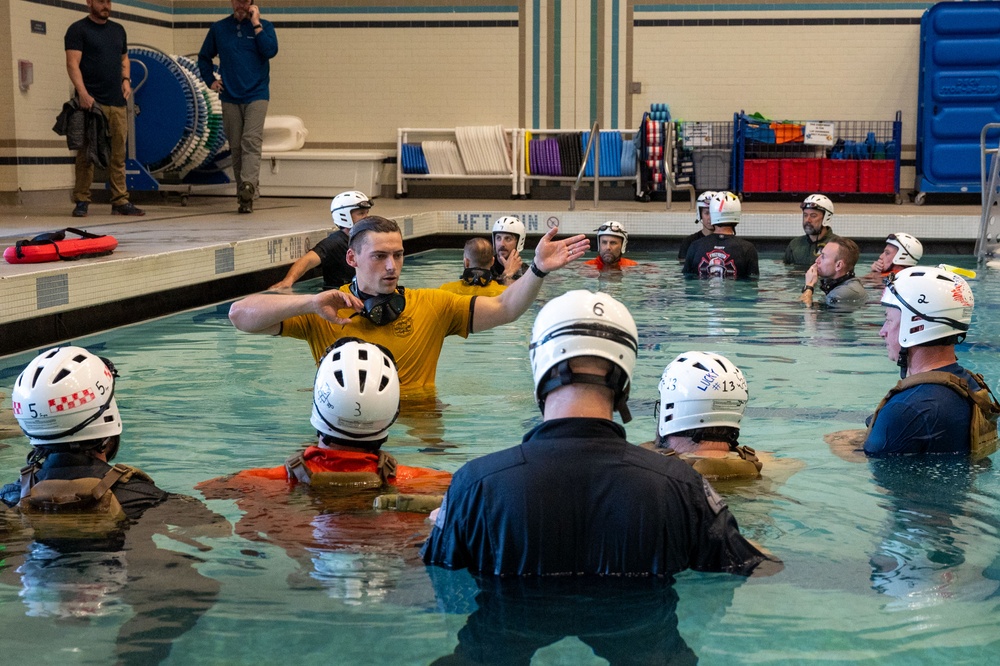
[884, 562]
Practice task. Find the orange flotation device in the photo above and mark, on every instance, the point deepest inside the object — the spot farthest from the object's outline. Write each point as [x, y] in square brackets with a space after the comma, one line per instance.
[53, 246]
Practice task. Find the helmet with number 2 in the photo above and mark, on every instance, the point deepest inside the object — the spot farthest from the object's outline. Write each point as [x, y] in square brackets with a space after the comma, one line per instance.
[66, 394]
[934, 303]
[583, 323]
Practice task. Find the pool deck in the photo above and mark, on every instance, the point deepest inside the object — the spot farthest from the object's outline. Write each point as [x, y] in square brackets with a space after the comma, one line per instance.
[203, 251]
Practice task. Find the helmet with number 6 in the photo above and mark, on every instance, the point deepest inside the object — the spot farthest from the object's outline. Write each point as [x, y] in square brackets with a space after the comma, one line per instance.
[356, 392]
[910, 249]
[66, 395]
[725, 209]
[819, 202]
[510, 225]
[934, 303]
[342, 205]
[701, 390]
[583, 323]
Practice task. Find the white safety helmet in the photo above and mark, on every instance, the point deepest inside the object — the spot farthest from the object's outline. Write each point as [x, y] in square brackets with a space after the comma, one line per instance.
[66, 394]
[342, 205]
[701, 390]
[910, 249]
[934, 303]
[725, 209]
[819, 202]
[583, 323]
[509, 225]
[612, 228]
[704, 201]
[356, 393]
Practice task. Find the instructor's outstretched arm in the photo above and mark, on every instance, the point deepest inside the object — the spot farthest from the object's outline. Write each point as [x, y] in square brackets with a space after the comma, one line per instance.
[263, 313]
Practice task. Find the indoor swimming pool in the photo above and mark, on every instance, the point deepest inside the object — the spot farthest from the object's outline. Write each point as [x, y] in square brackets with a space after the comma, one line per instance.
[888, 562]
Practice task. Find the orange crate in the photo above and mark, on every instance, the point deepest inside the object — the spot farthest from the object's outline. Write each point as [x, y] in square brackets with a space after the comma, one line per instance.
[838, 175]
[799, 175]
[877, 176]
[760, 175]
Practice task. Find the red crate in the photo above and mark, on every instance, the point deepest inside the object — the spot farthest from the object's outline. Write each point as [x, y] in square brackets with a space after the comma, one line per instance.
[760, 175]
[799, 175]
[877, 176]
[838, 175]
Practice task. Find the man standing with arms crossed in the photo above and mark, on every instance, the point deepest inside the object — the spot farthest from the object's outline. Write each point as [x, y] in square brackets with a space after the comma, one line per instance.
[244, 43]
[98, 65]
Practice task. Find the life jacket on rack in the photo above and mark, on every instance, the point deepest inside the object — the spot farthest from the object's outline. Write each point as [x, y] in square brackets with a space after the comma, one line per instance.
[985, 409]
[53, 246]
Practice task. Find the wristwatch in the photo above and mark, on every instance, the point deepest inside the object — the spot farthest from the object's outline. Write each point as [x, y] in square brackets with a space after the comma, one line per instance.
[808, 287]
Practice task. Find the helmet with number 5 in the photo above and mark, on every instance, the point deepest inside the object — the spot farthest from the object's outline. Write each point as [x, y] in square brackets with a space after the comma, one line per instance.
[725, 209]
[701, 390]
[356, 392]
[935, 304]
[909, 251]
[583, 323]
[510, 225]
[342, 205]
[65, 395]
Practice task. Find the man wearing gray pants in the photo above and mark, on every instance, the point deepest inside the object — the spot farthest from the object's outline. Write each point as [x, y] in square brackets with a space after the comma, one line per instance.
[244, 43]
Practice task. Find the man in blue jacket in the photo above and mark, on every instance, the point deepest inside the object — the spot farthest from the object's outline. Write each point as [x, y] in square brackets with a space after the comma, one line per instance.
[244, 43]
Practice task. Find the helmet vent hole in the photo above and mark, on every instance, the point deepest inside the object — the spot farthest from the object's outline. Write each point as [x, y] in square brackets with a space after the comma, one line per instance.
[383, 383]
[336, 356]
[362, 377]
[79, 358]
[34, 379]
[339, 376]
[700, 366]
[60, 376]
[363, 354]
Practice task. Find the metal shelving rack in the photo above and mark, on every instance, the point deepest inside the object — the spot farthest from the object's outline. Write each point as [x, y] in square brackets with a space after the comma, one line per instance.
[405, 134]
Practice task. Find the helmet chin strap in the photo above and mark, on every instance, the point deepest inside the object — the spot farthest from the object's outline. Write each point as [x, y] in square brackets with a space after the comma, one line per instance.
[903, 361]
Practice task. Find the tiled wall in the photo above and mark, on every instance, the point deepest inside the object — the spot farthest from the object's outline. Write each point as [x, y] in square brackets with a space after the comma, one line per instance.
[355, 71]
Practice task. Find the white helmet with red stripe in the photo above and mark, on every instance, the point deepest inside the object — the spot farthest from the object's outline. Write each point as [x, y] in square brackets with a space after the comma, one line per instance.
[66, 394]
[725, 209]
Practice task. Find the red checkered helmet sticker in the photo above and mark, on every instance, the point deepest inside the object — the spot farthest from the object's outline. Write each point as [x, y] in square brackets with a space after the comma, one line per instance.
[71, 401]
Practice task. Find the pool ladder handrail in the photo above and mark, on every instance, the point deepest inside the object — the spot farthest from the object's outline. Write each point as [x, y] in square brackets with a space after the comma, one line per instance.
[594, 131]
[986, 243]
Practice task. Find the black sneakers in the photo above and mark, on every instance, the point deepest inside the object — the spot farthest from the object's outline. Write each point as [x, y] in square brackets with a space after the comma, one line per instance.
[127, 208]
[80, 210]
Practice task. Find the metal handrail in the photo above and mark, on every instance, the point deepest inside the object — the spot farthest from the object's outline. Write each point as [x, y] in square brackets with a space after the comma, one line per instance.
[594, 131]
[988, 190]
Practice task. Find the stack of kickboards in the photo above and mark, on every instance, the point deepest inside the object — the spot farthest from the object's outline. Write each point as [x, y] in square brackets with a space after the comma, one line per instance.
[611, 154]
[485, 150]
[413, 160]
[443, 158]
[543, 157]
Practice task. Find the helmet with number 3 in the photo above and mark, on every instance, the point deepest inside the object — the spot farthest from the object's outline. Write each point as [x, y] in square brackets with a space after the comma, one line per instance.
[66, 394]
[583, 323]
[701, 390]
[356, 392]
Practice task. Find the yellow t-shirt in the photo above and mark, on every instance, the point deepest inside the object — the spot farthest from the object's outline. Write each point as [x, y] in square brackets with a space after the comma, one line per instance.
[414, 339]
[460, 287]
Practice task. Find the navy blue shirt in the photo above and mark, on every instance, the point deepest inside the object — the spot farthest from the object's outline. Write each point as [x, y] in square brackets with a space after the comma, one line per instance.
[244, 56]
[929, 418]
[723, 256]
[332, 253]
[575, 497]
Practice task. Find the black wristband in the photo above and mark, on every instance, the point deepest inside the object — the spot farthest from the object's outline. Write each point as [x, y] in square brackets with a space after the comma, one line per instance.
[808, 287]
[537, 271]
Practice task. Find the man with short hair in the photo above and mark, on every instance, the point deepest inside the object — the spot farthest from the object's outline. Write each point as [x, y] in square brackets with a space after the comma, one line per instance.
[331, 252]
[722, 254]
[901, 250]
[612, 242]
[245, 44]
[833, 270]
[817, 211]
[98, 65]
[477, 278]
[575, 498]
[938, 406]
[704, 218]
[411, 323]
